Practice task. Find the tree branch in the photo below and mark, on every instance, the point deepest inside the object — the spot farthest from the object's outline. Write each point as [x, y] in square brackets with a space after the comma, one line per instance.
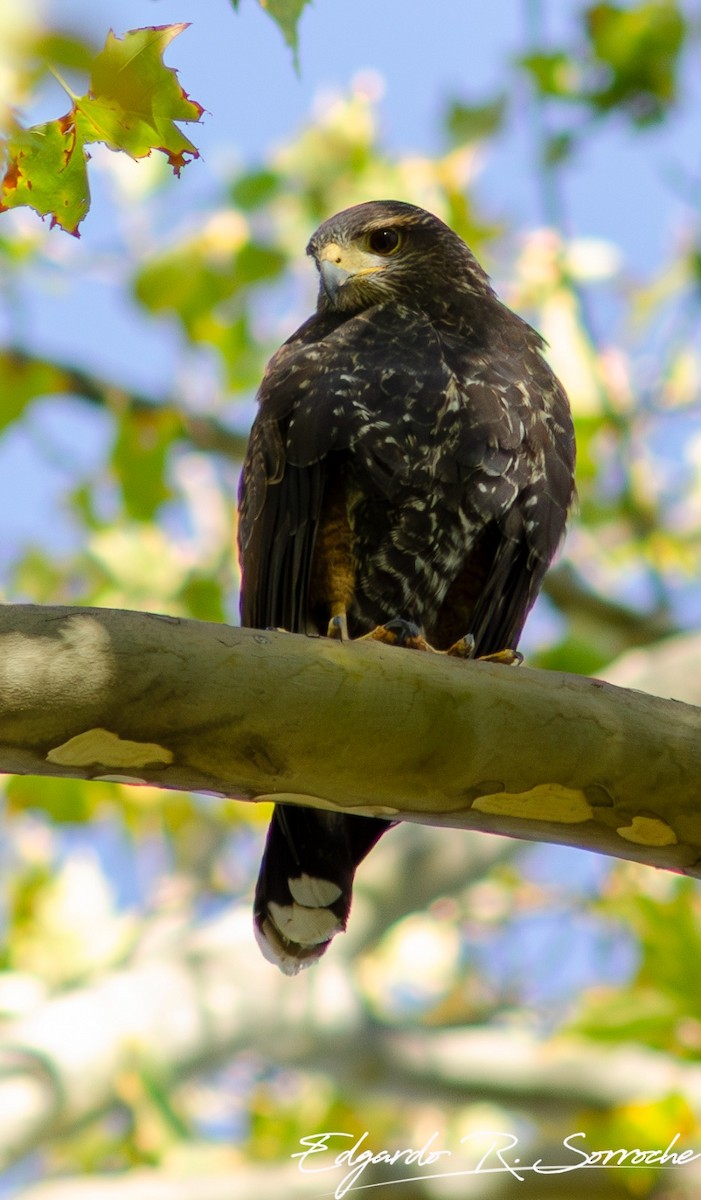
[102, 694]
[611, 625]
[671, 667]
[39, 377]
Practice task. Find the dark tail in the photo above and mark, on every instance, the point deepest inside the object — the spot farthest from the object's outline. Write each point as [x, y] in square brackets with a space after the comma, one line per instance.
[305, 884]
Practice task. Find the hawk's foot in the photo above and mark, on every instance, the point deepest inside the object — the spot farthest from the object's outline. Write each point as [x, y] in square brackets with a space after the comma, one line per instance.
[463, 648]
[398, 632]
[338, 628]
[509, 658]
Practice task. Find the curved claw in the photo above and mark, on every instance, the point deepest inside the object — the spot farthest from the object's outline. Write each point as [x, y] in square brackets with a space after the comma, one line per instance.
[338, 627]
[508, 657]
[463, 648]
[398, 632]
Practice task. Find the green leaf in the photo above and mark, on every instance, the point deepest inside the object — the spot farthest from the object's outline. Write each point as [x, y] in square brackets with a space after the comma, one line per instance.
[135, 99]
[201, 597]
[139, 459]
[192, 282]
[553, 72]
[23, 380]
[470, 123]
[66, 50]
[255, 189]
[559, 147]
[46, 169]
[638, 48]
[653, 1008]
[66, 800]
[694, 261]
[256, 262]
[286, 14]
[133, 104]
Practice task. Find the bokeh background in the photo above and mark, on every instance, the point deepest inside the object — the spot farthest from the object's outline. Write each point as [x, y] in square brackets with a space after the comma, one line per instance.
[146, 1050]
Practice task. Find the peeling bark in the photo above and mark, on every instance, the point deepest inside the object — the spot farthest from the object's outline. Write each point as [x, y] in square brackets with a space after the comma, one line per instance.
[104, 694]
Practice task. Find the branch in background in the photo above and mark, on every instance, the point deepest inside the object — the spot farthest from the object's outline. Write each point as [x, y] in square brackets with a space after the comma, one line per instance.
[61, 1064]
[409, 870]
[610, 622]
[671, 668]
[36, 377]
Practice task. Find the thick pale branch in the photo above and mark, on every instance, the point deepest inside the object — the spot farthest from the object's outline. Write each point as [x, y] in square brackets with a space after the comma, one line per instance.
[95, 693]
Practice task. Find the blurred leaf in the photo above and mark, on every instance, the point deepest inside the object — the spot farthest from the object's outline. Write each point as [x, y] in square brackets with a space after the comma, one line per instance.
[66, 800]
[559, 147]
[201, 597]
[23, 380]
[243, 355]
[660, 1006]
[139, 459]
[256, 188]
[37, 578]
[651, 1123]
[639, 49]
[255, 263]
[576, 655]
[65, 49]
[205, 282]
[695, 266]
[286, 14]
[554, 73]
[181, 281]
[470, 123]
[157, 1094]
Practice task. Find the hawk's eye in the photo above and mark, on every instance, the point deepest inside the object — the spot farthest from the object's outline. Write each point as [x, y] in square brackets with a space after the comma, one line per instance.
[384, 241]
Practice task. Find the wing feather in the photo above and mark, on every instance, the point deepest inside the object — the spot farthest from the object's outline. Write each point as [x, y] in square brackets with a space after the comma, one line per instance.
[321, 394]
[509, 445]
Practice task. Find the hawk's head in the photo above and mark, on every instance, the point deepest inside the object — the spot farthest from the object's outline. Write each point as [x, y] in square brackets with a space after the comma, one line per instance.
[388, 250]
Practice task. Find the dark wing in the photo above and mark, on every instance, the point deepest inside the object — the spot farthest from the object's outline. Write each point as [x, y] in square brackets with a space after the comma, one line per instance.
[280, 502]
[338, 383]
[280, 514]
[509, 446]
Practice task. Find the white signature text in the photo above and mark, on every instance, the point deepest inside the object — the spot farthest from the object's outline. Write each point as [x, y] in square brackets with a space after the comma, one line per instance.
[486, 1152]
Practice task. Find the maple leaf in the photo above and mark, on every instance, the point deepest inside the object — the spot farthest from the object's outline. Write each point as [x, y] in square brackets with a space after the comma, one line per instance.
[47, 171]
[135, 100]
[132, 105]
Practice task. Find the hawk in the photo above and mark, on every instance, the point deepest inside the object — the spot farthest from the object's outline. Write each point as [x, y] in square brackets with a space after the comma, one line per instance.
[410, 468]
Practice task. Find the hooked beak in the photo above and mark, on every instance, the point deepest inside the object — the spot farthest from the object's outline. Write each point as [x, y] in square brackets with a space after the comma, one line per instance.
[339, 264]
[333, 277]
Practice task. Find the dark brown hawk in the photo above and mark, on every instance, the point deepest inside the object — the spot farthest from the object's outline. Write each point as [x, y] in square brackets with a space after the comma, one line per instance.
[412, 458]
